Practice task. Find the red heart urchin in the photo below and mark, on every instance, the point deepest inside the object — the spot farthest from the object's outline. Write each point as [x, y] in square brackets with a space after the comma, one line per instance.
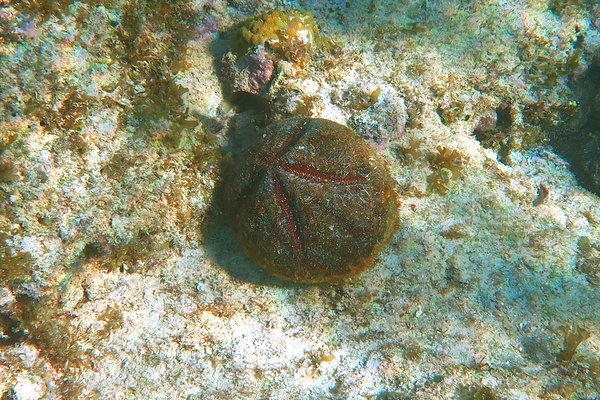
[312, 202]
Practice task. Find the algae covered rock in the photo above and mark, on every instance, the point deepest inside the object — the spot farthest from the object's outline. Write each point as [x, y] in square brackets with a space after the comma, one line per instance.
[259, 47]
[292, 35]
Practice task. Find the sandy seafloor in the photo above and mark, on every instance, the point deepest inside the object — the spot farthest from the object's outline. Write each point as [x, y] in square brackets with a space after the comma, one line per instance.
[120, 279]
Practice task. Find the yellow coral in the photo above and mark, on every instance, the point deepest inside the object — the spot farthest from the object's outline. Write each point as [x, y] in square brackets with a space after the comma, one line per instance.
[293, 35]
[449, 159]
[447, 165]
